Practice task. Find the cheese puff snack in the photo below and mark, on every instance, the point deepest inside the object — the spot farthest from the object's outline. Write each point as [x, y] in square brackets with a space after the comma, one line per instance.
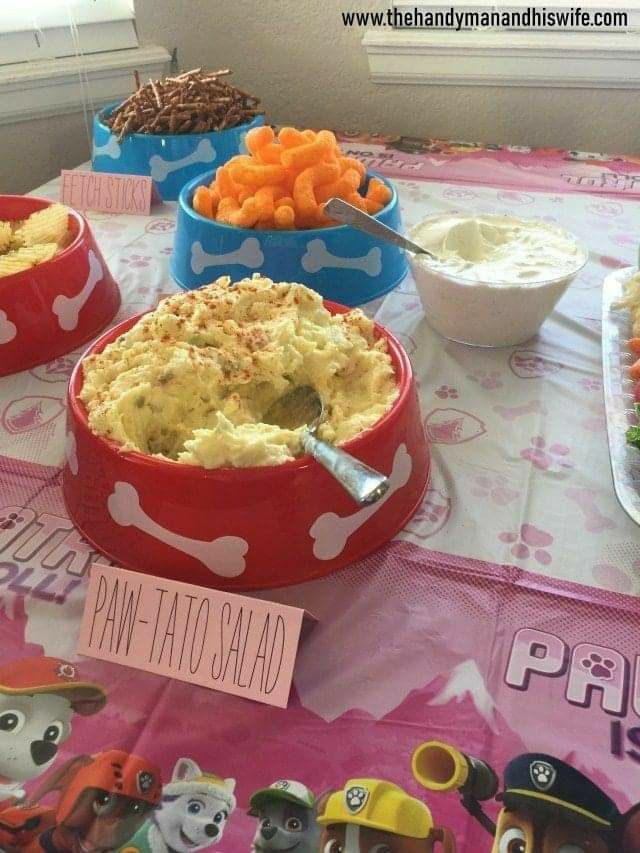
[27, 242]
[285, 180]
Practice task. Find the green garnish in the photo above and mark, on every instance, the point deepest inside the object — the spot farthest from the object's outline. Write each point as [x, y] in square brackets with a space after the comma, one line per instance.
[633, 433]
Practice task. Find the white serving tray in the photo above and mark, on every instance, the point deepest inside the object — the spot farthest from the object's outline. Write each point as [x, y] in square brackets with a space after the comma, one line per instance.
[618, 393]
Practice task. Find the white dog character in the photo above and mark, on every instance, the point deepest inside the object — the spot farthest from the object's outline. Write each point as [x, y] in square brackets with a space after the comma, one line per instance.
[38, 698]
[192, 814]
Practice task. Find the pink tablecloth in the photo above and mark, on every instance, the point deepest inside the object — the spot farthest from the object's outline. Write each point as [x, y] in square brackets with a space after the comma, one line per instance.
[415, 642]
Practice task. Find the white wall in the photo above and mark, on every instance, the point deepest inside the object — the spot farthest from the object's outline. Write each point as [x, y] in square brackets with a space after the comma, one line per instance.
[309, 69]
[33, 152]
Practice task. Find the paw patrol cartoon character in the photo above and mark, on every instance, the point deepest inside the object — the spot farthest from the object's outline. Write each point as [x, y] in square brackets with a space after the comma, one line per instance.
[552, 807]
[374, 816]
[38, 698]
[286, 812]
[628, 834]
[548, 806]
[193, 811]
[102, 800]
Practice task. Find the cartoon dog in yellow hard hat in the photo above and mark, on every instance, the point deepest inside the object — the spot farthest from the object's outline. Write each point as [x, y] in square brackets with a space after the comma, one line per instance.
[547, 805]
[374, 815]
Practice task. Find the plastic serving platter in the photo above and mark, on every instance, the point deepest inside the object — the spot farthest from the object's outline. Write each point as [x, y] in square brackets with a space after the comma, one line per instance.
[618, 393]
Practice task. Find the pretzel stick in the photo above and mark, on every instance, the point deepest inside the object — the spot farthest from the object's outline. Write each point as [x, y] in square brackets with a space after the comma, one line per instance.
[192, 102]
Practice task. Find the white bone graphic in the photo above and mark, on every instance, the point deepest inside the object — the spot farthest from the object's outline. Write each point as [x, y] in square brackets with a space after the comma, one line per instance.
[71, 453]
[223, 556]
[67, 308]
[8, 330]
[248, 254]
[110, 148]
[331, 532]
[318, 257]
[161, 168]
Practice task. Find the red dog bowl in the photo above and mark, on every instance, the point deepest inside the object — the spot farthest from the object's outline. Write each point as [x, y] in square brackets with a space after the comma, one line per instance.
[56, 306]
[241, 528]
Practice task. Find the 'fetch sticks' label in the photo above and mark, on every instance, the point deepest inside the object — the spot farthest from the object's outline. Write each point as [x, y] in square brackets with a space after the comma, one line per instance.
[219, 640]
[108, 193]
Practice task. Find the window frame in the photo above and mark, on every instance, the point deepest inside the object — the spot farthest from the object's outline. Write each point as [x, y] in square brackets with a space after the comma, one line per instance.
[507, 57]
[46, 33]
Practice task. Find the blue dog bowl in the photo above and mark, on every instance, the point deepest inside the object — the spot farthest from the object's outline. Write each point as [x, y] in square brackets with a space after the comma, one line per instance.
[341, 263]
[171, 160]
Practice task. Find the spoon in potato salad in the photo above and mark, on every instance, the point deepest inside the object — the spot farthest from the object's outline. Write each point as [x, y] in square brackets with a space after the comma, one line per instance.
[303, 407]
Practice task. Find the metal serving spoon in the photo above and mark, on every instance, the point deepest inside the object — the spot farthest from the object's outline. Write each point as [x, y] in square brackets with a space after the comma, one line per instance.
[302, 406]
[346, 213]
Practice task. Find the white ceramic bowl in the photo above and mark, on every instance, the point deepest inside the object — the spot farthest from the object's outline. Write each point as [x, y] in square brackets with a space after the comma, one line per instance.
[486, 314]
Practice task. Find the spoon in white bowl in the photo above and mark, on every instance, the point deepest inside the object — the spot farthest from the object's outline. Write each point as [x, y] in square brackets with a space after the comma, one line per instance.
[302, 407]
[347, 214]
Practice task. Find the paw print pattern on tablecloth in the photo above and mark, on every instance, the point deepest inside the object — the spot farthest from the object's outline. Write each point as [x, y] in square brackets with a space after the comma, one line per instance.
[432, 515]
[8, 522]
[596, 421]
[599, 667]
[589, 384]
[112, 226]
[613, 577]
[496, 489]
[161, 225]
[512, 413]
[554, 458]
[488, 379]
[513, 197]
[445, 391]
[530, 541]
[460, 193]
[137, 261]
[606, 208]
[625, 238]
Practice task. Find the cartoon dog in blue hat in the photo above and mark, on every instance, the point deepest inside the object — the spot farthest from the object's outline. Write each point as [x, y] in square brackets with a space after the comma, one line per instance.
[629, 831]
[552, 807]
[548, 806]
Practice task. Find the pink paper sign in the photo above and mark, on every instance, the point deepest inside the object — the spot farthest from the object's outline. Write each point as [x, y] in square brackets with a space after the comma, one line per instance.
[107, 192]
[219, 640]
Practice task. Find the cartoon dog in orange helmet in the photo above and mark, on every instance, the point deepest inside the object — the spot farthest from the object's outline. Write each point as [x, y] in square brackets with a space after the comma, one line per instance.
[103, 800]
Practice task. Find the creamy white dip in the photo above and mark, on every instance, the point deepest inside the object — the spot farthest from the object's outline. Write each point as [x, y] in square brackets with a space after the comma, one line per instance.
[494, 279]
[498, 249]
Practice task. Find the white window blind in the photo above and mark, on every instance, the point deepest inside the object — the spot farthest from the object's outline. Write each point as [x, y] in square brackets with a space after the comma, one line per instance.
[631, 7]
[47, 29]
